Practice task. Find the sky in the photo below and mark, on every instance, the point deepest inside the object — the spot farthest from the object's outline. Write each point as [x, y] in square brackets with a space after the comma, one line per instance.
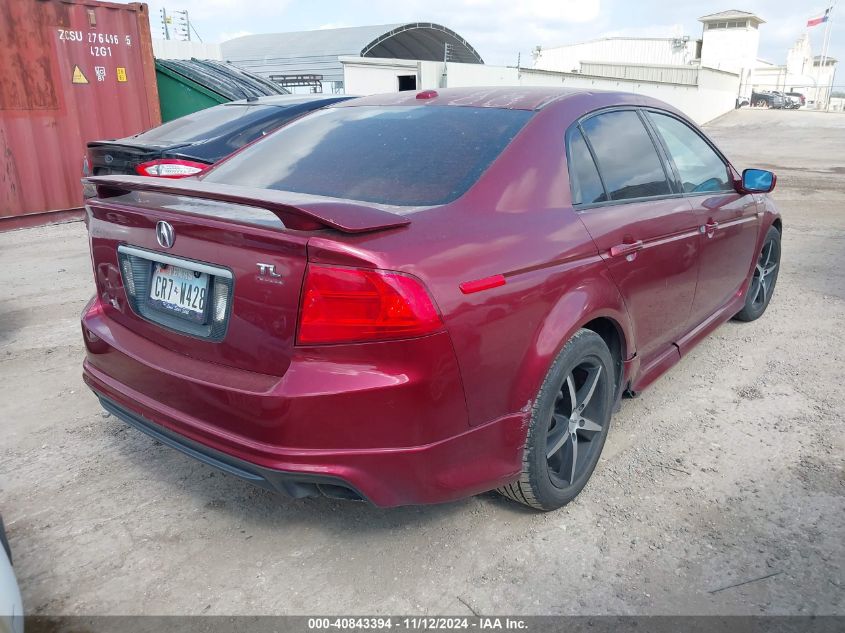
[503, 30]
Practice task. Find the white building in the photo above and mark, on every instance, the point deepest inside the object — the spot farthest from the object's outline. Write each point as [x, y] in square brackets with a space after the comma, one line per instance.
[669, 68]
[309, 59]
[665, 51]
[803, 72]
[701, 93]
[825, 73]
[728, 42]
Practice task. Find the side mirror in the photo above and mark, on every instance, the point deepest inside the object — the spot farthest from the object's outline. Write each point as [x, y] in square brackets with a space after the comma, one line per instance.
[758, 181]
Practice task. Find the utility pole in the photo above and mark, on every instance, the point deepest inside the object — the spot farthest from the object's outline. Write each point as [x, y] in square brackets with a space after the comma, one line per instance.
[164, 28]
[182, 25]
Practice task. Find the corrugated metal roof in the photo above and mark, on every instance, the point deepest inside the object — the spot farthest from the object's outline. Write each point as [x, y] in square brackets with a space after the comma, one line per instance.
[317, 52]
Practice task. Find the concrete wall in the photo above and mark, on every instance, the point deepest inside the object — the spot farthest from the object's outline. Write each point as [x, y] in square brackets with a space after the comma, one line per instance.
[175, 49]
[717, 94]
[713, 95]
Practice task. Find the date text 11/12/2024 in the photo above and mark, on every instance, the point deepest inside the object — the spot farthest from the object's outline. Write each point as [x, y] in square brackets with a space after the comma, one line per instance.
[417, 623]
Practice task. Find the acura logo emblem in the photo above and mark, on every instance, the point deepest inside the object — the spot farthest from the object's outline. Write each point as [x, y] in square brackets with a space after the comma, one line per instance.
[165, 234]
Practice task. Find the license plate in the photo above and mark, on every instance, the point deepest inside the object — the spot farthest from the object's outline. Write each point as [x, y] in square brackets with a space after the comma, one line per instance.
[179, 291]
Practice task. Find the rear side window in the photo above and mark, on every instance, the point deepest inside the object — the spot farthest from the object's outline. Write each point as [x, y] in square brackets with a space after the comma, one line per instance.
[396, 155]
[626, 156]
[700, 168]
[584, 178]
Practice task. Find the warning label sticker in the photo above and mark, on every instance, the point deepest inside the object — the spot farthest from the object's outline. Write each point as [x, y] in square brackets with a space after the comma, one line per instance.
[121, 74]
[78, 77]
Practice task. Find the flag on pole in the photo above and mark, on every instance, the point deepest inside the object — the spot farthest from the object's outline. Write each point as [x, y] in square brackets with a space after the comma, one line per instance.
[819, 19]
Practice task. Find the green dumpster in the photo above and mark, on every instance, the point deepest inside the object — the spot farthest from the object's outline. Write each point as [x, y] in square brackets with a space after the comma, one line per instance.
[189, 86]
[179, 95]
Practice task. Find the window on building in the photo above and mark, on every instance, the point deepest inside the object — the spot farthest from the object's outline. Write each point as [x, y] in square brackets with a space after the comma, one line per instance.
[407, 82]
[584, 180]
[626, 157]
[700, 168]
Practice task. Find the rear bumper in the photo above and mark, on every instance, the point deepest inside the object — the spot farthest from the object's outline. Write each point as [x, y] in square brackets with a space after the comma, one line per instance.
[396, 436]
[296, 485]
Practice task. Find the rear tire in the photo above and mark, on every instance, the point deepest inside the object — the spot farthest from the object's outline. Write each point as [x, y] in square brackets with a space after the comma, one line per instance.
[763, 279]
[569, 423]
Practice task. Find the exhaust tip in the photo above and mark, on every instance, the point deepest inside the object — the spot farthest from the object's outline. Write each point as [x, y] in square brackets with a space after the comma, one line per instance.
[334, 491]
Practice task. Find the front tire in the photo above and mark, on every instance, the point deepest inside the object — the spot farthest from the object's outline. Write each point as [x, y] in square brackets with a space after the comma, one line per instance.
[763, 279]
[569, 424]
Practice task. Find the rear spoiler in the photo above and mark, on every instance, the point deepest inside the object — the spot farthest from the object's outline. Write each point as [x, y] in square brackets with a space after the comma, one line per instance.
[349, 217]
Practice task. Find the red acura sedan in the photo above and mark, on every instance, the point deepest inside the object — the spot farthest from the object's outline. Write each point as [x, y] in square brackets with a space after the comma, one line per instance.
[412, 298]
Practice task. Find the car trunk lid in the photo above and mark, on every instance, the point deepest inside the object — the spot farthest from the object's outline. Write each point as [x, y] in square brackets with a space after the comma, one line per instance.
[107, 158]
[244, 247]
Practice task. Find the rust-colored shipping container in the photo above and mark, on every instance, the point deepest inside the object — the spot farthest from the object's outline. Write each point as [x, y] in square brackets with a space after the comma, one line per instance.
[71, 71]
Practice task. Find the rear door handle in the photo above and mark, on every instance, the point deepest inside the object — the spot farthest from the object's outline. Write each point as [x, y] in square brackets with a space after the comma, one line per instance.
[626, 248]
[710, 228]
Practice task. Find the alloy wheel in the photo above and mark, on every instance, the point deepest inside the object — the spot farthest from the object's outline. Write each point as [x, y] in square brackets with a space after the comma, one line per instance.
[762, 281]
[573, 425]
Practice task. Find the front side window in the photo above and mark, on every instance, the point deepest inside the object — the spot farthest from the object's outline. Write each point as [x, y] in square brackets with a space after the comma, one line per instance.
[626, 156]
[396, 155]
[700, 168]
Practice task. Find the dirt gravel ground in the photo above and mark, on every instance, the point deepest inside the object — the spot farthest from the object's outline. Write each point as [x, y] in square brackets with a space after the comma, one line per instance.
[728, 469]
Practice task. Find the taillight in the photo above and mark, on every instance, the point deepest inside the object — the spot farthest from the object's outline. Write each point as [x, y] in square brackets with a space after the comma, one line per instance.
[170, 168]
[344, 305]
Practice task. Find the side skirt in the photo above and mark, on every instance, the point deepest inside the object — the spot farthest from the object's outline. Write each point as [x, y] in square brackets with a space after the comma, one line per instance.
[681, 348]
[695, 335]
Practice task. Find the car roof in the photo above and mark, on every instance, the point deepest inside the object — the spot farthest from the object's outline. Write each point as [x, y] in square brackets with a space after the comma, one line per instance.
[581, 100]
[289, 100]
[512, 98]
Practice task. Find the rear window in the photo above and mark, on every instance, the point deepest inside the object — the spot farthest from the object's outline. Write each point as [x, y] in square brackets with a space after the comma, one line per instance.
[400, 155]
[204, 124]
